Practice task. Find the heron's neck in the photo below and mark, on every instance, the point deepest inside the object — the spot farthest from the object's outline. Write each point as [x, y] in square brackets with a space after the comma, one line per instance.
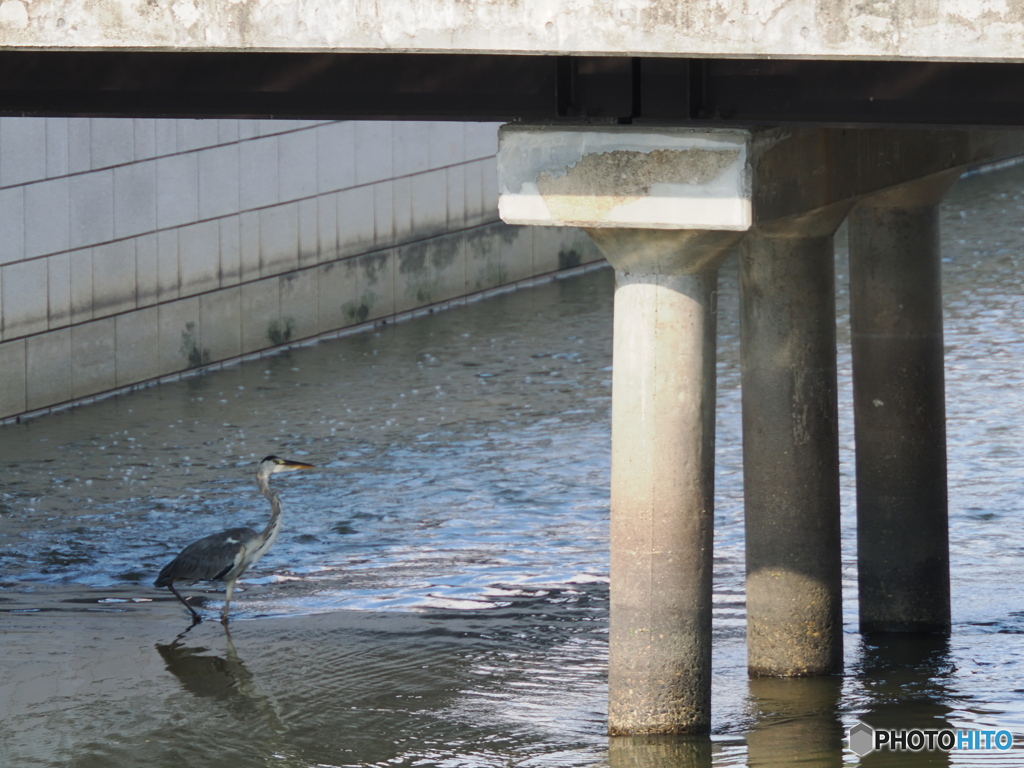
[275, 507]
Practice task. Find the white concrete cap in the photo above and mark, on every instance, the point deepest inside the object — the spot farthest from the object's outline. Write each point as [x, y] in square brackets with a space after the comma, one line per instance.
[623, 177]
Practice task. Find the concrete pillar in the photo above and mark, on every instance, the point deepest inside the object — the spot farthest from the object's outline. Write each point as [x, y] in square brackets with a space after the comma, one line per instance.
[662, 485]
[899, 409]
[791, 448]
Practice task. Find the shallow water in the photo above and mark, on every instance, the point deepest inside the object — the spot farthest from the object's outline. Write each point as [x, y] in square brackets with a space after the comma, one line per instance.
[439, 593]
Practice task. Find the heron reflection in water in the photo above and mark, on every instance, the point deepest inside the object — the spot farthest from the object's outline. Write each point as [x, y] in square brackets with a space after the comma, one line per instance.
[227, 555]
[223, 679]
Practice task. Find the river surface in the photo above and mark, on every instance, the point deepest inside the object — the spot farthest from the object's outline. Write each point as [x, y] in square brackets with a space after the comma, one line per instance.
[439, 596]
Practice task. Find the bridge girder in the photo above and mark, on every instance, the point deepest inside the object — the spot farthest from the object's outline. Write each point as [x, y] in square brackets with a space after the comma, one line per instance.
[485, 87]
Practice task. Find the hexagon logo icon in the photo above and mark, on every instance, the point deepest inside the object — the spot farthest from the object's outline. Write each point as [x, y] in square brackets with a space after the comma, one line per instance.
[862, 739]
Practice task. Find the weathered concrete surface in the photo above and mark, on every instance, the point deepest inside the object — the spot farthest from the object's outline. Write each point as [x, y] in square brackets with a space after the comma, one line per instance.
[791, 449]
[662, 488]
[724, 179]
[653, 179]
[899, 410]
[974, 30]
[663, 251]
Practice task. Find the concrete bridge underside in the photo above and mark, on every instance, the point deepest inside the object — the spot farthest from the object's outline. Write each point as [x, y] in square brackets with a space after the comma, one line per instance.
[672, 131]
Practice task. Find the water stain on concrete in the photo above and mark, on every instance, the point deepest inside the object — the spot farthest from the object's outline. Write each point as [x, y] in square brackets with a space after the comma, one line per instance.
[599, 183]
[280, 331]
[190, 348]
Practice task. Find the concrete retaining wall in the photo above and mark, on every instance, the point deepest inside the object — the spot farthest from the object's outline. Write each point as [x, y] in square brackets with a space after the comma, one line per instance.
[135, 249]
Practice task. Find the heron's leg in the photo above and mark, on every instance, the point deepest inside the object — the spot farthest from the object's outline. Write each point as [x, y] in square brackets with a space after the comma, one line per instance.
[196, 618]
[232, 655]
[227, 601]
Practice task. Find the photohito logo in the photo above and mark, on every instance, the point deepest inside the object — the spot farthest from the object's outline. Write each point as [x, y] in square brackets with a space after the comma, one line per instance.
[865, 739]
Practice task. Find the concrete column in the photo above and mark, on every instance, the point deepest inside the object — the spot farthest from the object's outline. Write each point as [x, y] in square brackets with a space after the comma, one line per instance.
[662, 485]
[791, 448]
[899, 409]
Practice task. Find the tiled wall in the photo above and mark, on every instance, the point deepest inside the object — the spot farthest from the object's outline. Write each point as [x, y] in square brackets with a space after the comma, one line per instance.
[134, 249]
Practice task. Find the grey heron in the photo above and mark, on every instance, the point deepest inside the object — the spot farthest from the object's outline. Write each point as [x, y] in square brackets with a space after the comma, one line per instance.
[226, 555]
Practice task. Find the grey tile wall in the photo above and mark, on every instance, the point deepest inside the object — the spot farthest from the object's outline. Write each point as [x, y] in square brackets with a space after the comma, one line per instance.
[135, 249]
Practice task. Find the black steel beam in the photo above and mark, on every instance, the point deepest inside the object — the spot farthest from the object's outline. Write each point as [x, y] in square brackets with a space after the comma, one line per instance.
[512, 87]
[867, 93]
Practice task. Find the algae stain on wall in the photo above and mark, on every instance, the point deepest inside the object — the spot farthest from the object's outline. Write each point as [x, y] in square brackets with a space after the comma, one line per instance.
[190, 349]
[280, 331]
[357, 311]
[569, 258]
[412, 285]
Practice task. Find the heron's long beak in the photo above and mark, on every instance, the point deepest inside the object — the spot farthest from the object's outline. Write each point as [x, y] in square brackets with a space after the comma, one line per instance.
[289, 464]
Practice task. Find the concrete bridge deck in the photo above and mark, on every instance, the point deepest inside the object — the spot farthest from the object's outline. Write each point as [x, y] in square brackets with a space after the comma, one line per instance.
[935, 30]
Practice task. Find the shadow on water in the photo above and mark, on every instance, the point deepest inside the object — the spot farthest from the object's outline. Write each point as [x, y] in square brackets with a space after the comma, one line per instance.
[521, 684]
[795, 721]
[907, 684]
[659, 752]
[223, 679]
[368, 690]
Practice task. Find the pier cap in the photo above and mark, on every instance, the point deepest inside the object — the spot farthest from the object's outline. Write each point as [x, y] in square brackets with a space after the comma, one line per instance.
[668, 178]
[640, 177]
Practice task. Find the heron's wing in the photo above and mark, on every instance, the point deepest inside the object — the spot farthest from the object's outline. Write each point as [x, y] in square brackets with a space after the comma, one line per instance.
[207, 559]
